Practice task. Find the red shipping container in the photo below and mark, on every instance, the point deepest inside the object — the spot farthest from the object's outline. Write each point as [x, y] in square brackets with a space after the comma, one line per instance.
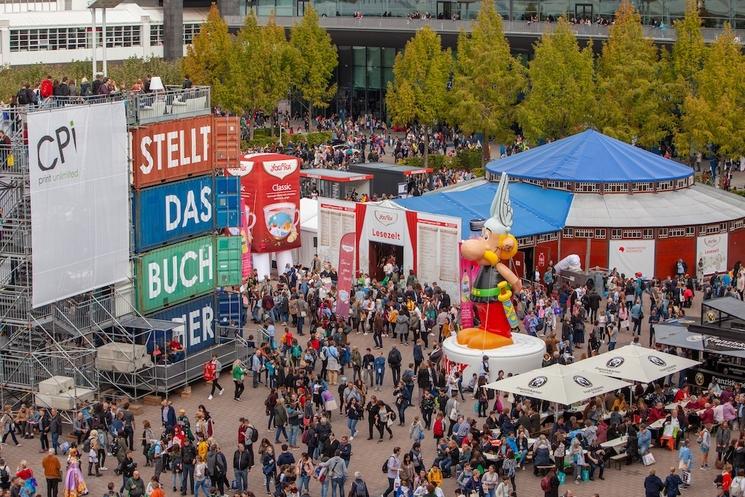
[172, 150]
[270, 186]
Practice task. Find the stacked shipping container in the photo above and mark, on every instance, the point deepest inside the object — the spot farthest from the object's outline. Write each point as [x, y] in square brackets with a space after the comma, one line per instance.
[179, 206]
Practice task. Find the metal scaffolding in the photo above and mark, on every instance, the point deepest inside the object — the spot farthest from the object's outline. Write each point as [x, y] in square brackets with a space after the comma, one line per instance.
[62, 339]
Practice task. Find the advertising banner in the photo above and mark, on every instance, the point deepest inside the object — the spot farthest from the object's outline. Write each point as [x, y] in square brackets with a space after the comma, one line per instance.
[175, 273]
[270, 185]
[713, 250]
[172, 150]
[632, 256]
[79, 199]
[173, 211]
[346, 274]
[195, 328]
[335, 218]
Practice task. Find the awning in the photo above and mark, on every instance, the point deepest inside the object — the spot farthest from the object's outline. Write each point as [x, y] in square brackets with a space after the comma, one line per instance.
[334, 175]
[679, 336]
[727, 305]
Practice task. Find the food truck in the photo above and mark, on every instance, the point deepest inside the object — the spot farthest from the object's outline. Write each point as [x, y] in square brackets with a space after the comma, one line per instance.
[391, 179]
[333, 183]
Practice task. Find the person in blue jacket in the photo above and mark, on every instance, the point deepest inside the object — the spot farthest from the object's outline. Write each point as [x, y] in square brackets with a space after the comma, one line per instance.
[672, 484]
[379, 365]
[653, 485]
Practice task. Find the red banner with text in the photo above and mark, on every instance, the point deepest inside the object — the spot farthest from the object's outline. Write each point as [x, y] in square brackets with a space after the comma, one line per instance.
[346, 274]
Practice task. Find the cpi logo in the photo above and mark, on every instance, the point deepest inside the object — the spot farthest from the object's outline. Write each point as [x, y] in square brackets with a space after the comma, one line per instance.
[656, 361]
[64, 136]
[582, 381]
[280, 168]
[615, 362]
[386, 218]
[538, 382]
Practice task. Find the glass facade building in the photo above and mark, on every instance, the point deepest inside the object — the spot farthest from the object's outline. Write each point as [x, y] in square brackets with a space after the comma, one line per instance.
[713, 12]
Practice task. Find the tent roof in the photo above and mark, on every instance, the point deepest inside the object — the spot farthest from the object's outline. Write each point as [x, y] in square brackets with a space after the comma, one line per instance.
[728, 305]
[536, 210]
[589, 157]
[672, 208]
[334, 175]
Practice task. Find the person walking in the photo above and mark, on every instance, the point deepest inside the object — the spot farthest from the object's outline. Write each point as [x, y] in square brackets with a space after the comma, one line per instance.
[672, 484]
[200, 478]
[359, 487]
[393, 466]
[52, 472]
[135, 486]
[652, 485]
[238, 374]
[211, 373]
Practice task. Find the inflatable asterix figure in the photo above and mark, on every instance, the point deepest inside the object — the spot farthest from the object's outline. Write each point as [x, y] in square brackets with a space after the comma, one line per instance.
[493, 287]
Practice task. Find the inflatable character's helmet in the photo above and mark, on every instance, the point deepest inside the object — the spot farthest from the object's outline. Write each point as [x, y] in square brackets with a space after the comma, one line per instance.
[500, 221]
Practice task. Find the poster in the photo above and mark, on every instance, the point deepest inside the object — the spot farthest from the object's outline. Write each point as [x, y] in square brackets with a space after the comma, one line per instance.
[713, 250]
[79, 182]
[345, 273]
[335, 218]
[437, 245]
[270, 186]
[632, 256]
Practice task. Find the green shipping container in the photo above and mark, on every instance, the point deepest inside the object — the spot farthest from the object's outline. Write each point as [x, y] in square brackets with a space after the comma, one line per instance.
[229, 261]
[175, 273]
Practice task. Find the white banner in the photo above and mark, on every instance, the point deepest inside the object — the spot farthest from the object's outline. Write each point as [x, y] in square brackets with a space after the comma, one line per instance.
[713, 250]
[78, 157]
[632, 256]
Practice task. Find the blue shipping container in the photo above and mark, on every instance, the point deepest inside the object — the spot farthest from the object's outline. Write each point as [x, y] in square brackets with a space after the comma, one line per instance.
[230, 309]
[173, 211]
[196, 319]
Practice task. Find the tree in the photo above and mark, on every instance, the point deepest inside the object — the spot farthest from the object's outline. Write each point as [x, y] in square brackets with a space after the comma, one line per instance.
[689, 49]
[207, 58]
[713, 117]
[260, 69]
[418, 92]
[632, 104]
[561, 94]
[316, 61]
[487, 80]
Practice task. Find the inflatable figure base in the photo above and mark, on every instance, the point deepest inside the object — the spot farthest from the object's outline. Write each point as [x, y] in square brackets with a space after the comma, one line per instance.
[479, 338]
[523, 355]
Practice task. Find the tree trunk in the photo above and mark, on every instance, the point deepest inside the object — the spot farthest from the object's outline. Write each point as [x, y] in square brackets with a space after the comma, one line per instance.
[426, 147]
[485, 150]
[251, 128]
[310, 117]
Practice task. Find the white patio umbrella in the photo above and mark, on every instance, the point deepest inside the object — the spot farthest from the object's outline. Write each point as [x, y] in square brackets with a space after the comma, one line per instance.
[558, 383]
[635, 363]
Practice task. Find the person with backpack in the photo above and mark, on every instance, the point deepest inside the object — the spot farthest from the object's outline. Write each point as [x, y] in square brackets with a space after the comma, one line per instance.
[391, 468]
[394, 362]
[737, 487]
[359, 487]
[550, 484]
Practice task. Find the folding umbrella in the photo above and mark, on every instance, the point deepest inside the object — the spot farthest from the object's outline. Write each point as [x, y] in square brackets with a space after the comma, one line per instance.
[635, 363]
[558, 383]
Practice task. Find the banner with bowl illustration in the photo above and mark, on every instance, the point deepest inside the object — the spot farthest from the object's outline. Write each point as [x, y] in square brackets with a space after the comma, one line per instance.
[270, 189]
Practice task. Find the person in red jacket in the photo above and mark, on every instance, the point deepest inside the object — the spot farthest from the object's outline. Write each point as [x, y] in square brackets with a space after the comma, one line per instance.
[46, 87]
[211, 373]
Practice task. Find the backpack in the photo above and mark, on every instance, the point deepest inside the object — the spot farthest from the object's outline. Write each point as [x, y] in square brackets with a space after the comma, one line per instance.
[735, 489]
[545, 484]
[539, 324]
[385, 466]
[151, 451]
[359, 489]
[22, 97]
[87, 445]
[4, 475]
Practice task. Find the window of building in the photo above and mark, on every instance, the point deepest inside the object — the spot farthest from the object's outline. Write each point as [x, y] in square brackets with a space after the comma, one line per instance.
[73, 38]
[123, 36]
[568, 233]
[662, 233]
[664, 186]
[616, 187]
[677, 232]
[156, 35]
[616, 233]
[584, 233]
[642, 187]
[600, 233]
[648, 234]
[587, 187]
[690, 231]
[190, 31]
[632, 234]
[736, 225]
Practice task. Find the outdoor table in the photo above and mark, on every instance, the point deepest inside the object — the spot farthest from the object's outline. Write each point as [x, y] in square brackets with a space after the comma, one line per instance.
[657, 425]
[615, 443]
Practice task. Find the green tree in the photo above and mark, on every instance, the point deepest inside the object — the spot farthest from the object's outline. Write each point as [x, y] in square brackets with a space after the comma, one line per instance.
[207, 58]
[315, 63]
[418, 92]
[561, 95]
[260, 67]
[689, 49]
[632, 105]
[487, 80]
[713, 117]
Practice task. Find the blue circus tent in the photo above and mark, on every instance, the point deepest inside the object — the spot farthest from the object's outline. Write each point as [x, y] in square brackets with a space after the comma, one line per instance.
[536, 210]
[589, 157]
